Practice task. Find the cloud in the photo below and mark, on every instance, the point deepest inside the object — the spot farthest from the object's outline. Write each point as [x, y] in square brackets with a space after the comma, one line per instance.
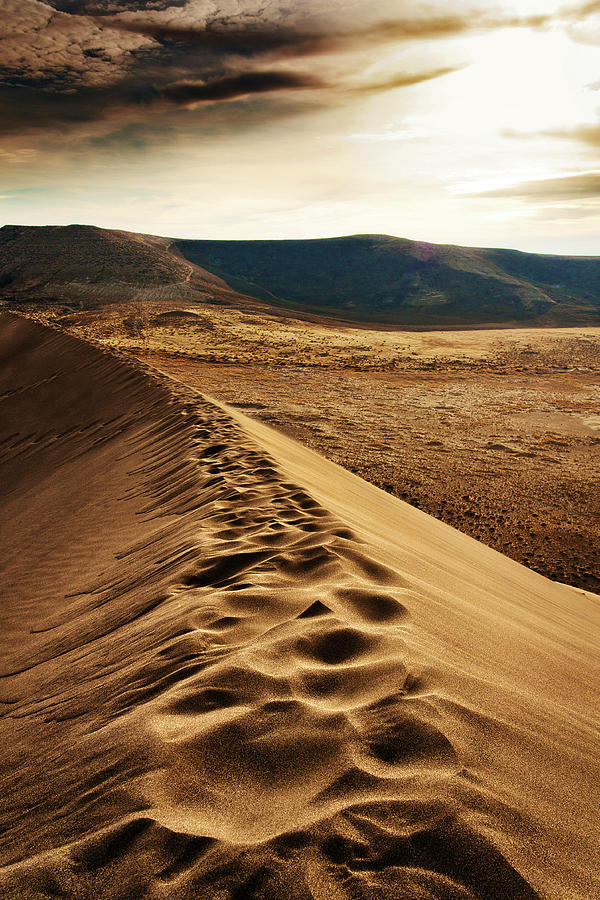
[283, 41]
[583, 134]
[578, 25]
[572, 213]
[405, 79]
[583, 10]
[55, 52]
[63, 67]
[260, 82]
[74, 63]
[234, 86]
[577, 186]
[110, 7]
[410, 132]
[27, 110]
[586, 133]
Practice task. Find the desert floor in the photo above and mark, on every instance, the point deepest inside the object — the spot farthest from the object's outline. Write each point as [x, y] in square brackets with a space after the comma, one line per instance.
[495, 432]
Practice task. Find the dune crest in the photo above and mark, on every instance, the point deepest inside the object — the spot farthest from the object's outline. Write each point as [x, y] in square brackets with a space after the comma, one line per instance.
[231, 669]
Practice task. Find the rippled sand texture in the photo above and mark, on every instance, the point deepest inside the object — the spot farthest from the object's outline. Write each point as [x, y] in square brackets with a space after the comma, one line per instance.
[230, 669]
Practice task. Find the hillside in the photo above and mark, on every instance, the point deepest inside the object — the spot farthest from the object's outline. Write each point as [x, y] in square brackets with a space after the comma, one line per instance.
[89, 265]
[365, 278]
[377, 278]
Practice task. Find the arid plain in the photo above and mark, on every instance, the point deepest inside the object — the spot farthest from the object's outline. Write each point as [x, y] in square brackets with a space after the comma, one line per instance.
[494, 431]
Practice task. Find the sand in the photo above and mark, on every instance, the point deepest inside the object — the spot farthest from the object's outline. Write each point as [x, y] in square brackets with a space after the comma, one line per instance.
[230, 668]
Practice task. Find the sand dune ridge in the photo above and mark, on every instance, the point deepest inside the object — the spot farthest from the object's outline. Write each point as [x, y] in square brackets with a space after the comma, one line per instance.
[214, 684]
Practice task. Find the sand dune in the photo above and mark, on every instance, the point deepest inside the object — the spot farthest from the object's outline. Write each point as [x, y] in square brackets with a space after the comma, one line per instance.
[231, 669]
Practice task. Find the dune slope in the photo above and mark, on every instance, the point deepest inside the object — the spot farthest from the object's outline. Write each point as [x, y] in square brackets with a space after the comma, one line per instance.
[231, 669]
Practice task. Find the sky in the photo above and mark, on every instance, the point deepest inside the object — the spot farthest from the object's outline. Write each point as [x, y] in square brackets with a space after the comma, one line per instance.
[448, 122]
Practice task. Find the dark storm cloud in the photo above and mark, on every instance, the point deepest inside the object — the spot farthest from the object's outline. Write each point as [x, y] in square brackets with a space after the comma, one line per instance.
[24, 110]
[72, 69]
[80, 61]
[281, 41]
[110, 7]
[234, 86]
[247, 83]
[571, 187]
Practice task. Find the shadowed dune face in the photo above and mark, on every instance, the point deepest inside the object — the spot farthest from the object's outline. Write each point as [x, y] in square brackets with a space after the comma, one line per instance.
[212, 686]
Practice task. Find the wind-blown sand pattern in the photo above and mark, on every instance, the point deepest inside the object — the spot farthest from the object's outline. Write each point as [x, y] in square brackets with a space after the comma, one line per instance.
[231, 669]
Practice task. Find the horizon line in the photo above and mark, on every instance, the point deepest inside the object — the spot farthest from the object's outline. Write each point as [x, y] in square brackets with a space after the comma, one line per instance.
[336, 237]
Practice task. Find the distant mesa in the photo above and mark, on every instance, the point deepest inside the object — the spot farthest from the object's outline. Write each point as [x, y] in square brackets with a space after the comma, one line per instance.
[363, 278]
